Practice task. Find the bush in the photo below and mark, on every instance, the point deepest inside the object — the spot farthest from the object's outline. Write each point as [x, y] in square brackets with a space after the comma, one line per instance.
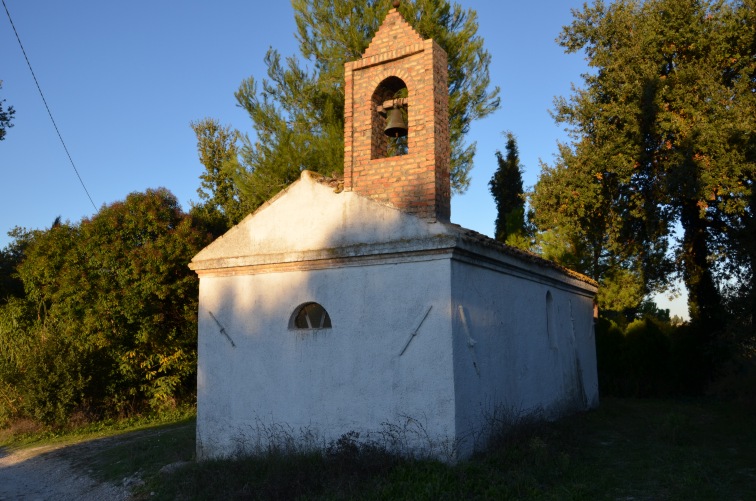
[610, 345]
[647, 358]
[107, 324]
[650, 359]
[689, 363]
[55, 383]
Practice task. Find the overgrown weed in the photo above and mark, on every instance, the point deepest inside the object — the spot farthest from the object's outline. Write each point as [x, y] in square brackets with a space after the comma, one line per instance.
[644, 449]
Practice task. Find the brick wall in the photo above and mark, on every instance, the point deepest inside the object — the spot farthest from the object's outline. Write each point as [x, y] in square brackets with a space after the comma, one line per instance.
[417, 182]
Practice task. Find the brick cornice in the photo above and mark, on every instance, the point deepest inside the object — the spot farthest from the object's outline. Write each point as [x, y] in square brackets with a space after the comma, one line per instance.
[385, 57]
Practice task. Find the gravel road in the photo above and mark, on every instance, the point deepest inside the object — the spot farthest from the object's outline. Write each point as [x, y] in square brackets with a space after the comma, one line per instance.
[45, 473]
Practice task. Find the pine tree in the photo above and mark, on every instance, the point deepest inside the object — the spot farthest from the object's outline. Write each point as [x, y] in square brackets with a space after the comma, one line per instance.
[297, 112]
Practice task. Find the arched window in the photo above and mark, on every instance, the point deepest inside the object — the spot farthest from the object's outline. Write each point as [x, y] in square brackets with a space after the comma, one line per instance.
[310, 316]
[392, 90]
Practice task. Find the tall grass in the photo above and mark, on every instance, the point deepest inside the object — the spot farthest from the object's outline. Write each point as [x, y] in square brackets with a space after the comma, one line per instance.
[628, 448]
[697, 448]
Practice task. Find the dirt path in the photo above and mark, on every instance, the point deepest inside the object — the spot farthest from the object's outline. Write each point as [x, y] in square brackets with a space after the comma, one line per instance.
[46, 473]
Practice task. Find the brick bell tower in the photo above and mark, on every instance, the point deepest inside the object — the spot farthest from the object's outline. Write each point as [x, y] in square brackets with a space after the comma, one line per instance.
[399, 71]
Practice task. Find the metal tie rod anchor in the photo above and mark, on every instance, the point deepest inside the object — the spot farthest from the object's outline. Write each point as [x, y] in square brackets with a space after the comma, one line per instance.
[414, 333]
[222, 329]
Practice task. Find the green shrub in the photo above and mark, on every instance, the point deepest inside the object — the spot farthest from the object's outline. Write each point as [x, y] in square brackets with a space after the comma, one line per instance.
[108, 323]
[54, 384]
[610, 345]
[651, 359]
[689, 364]
[646, 359]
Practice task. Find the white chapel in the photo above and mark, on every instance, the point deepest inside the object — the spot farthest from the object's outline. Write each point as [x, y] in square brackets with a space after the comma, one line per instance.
[355, 305]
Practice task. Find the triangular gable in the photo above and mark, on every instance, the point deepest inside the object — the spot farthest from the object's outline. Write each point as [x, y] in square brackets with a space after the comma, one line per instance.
[394, 28]
[312, 217]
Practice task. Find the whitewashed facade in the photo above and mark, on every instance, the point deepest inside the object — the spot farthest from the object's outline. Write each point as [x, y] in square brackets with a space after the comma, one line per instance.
[433, 330]
[499, 330]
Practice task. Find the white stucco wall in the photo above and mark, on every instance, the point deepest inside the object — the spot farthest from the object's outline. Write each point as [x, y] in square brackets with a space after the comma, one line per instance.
[376, 271]
[507, 363]
[330, 381]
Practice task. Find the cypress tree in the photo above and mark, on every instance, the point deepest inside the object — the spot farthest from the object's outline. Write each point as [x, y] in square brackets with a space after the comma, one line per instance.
[506, 188]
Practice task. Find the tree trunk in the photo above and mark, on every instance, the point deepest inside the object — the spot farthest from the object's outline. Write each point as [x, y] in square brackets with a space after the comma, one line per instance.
[704, 300]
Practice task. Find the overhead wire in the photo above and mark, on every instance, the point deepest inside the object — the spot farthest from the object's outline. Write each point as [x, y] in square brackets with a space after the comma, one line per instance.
[55, 125]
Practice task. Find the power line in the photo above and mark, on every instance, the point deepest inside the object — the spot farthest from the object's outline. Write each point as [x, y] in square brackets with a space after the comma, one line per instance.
[48, 108]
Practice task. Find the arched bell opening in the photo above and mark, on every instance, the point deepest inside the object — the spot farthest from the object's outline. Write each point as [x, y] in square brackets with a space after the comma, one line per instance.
[390, 119]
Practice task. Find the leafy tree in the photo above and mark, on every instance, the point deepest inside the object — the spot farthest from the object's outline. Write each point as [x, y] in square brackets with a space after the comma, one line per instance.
[649, 309]
[663, 135]
[108, 319]
[569, 213]
[676, 321]
[218, 152]
[142, 295]
[297, 113]
[571, 208]
[506, 189]
[16, 321]
[10, 258]
[46, 370]
[6, 117]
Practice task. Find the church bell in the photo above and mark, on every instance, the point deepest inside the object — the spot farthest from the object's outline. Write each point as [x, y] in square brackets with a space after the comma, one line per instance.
[395, 126]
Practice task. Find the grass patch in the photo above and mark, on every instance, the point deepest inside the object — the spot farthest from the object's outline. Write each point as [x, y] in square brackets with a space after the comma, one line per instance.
[136, 455]
[26, 433]
[639, 449]
[626, 449]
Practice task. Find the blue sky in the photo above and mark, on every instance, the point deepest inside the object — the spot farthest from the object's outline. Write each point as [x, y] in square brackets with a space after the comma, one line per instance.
[123, 81]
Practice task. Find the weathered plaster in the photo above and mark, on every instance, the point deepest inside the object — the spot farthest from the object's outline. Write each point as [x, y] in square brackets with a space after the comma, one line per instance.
[377, 270]
[332, 381]
[506, 363]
